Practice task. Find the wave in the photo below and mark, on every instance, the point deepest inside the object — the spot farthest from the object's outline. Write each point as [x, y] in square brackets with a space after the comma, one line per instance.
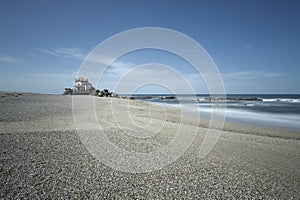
[255, 115]
[227, 98]
[282, 100]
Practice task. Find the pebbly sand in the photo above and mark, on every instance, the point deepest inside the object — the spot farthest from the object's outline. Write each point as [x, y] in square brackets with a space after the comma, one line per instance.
[42, 155]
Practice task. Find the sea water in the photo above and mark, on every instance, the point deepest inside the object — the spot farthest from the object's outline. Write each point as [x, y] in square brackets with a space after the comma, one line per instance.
[281, 111]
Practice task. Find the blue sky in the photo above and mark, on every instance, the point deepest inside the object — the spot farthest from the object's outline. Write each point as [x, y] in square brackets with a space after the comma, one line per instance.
[255, 44]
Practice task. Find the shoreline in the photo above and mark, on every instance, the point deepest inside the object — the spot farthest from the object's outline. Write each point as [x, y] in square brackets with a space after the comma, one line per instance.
[245, 128]
[229, 125]
[242, 116]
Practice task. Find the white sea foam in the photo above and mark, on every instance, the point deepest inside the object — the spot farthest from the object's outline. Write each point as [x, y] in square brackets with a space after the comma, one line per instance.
[261, 118]
[282, 100]
[280, 120]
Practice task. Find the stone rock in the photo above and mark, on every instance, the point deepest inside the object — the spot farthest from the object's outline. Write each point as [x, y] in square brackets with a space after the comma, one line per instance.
[105, 93]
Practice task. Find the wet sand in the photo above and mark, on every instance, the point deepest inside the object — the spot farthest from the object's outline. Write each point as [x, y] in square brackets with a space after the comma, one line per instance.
[42, 155]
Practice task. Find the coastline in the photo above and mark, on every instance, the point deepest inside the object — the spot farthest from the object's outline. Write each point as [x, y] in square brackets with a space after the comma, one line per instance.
[273, 111]
[42, 155]
[241, 127]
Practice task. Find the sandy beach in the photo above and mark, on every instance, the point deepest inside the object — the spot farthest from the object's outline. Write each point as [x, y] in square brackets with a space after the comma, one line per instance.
[43, 156]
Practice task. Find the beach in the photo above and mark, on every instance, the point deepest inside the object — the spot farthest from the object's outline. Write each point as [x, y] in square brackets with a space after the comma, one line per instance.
[43, 155]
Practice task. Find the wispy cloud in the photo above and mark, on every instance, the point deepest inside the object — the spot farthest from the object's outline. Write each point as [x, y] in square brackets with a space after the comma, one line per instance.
[247, 46]
[115, 66]
[66, 52]
[100, 59]
[236, 75]
[118, 69]
[67, 75]
[250, 75]
[9, 59]
[126, 78]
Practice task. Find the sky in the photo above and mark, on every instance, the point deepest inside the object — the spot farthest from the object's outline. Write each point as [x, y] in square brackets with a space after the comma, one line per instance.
[255, 44]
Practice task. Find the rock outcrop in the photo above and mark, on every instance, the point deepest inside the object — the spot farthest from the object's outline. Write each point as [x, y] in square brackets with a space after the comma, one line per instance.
[105, 93]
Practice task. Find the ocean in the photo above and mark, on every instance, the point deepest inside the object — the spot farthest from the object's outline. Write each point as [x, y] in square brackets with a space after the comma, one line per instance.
[269, 110]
